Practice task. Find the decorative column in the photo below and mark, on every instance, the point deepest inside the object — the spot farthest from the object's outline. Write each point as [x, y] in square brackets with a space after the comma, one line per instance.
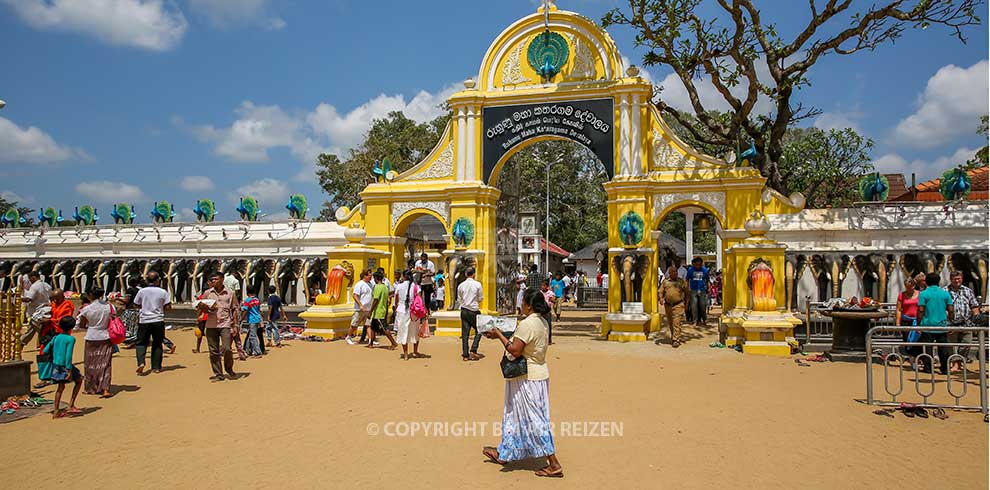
[330, 316]
[688, 236]
[718, 245]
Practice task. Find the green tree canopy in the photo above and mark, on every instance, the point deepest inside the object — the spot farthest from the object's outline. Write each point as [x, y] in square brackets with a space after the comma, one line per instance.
[401, 140]
[981, 158]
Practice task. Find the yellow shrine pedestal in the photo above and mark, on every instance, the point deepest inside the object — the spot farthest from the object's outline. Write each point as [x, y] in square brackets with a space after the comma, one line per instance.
[759, 326]
[331, 316]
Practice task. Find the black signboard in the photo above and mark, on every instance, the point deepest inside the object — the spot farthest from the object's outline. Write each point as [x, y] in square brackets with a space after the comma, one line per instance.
[587, 122]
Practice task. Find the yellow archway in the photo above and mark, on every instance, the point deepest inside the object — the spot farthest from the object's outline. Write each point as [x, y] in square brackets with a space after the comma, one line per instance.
[593, 100]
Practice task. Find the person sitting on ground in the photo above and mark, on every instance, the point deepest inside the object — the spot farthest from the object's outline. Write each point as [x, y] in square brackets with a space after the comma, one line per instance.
[63, 371]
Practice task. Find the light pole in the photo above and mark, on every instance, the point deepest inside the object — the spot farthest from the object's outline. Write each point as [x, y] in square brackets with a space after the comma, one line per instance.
[547, 218]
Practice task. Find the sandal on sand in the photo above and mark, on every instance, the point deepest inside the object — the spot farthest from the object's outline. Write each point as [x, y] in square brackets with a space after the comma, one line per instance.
[73, 411]
[546, 473]
[886, 412]
[418, 355]
[939, 413]
[492, 454]
[921, 412]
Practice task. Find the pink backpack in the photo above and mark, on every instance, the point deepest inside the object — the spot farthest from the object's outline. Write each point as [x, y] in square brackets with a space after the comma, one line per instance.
[116, 328]
[417, 309]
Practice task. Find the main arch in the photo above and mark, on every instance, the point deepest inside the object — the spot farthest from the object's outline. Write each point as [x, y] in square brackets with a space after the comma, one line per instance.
[592, 100]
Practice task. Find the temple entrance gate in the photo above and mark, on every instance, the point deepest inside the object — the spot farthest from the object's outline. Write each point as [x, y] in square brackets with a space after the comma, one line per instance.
[582, 93]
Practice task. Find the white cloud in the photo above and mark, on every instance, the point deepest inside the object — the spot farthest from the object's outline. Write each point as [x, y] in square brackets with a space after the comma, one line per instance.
[197, 183]
[186, 214]
[924, 169]
[675, 95]
[838, 120]
[147, 24]
[259, 129]
[270, 193]
[235, 13]
[32, 145]
[106, 191]
[950, 107]
[11, 196]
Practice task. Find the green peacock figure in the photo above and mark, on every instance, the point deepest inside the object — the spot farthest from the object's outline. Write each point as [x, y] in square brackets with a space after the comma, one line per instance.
[297, 206]
[162, 212]
[955, 184]
[11, 218]
[205, 210]
[85, 215]
[248, 209]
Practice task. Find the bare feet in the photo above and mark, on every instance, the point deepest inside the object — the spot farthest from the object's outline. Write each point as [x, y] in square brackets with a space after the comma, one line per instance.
[551, 472]
[492, 454]
[172, 350]
[73, 411]
[106, 394]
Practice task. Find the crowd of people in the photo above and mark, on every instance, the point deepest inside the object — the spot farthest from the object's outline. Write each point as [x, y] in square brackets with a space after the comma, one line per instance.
[140, 313]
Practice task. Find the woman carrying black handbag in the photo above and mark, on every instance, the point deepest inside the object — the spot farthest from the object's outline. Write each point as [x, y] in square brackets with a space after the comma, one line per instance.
[526, 430]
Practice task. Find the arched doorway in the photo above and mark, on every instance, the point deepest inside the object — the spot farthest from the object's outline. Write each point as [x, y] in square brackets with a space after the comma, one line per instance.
[551, 203]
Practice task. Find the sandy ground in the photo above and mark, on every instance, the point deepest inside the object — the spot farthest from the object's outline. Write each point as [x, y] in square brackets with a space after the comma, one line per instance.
[331, 415]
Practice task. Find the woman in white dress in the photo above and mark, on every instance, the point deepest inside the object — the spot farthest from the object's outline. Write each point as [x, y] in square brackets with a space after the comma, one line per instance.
[407, 328]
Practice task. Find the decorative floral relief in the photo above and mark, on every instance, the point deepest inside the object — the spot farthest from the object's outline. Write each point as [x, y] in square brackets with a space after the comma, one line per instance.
[584, 60]
[512, 71]
[443, 166]
[440, 207]
[663, 201]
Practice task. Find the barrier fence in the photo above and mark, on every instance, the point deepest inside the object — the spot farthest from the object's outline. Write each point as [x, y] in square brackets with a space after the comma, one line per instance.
[894, 351]
[589, 297]
[818, 327]
[11, 320]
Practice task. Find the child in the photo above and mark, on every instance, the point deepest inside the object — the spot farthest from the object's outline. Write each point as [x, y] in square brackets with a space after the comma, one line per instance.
[438, 295]
[379, 311]
[274, 315]
[252, 305]
[63, 371]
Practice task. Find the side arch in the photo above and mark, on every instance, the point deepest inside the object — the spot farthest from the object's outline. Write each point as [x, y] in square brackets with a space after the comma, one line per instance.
[662, 209]
[402, 221]
[497, 171]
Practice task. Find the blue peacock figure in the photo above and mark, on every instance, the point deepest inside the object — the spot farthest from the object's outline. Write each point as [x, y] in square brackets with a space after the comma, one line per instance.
[462, 232]
[747, 157]
[955, 184]
[162, 212]
[874, 187]
[547, 54]
[248, 209]
[205, 210]
[631, 228]
[297, 206]
[381, 169]
[123, 213]
[85, 215]
[49, 217]
[11, 218]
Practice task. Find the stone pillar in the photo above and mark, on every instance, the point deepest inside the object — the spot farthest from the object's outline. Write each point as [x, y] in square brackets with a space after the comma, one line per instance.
[718, 245]
[688, 236]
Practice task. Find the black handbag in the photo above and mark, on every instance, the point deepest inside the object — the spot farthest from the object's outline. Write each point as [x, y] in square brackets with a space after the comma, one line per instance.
[513, 368]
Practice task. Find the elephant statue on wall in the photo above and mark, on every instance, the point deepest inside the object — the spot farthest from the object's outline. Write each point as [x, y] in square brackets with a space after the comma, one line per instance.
[631, 269]
[456, 266]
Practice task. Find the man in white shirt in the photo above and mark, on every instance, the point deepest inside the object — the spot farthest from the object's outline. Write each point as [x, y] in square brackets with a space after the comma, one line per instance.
[469, 297]
[605, 280]
[233, 284]
[154, 302]
[362, 294]
[567, 286]
[38, 294]
[427, 272]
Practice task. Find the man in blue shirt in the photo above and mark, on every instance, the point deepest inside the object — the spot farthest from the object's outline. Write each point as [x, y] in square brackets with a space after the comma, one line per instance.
[557, 284]
[697, 277]
[935, 310]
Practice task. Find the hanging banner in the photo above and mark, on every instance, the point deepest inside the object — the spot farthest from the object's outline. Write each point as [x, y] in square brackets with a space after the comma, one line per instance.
[589, 123]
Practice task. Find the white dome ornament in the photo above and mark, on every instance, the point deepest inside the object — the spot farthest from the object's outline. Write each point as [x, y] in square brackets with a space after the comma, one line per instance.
[469, 83]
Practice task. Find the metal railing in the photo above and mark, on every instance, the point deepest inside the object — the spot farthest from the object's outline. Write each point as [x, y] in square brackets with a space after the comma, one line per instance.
[588, 297]
[818, 327]
[11, 321]
[956, 387]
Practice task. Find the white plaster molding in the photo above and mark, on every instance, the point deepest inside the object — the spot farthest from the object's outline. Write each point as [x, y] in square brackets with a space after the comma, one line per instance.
[442, 167]
[512, 71]
[662, 202]
[584, 60]
[399, 209]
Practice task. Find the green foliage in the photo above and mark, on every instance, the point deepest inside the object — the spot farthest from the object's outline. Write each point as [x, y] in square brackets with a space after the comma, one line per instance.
[400, 139]
[981, 158]
[675, 225]
[578, 212]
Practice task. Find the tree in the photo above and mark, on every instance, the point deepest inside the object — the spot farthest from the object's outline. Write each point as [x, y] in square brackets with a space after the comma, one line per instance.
[731, 56]
[980, 159]
[822, 165]
[401, 140]
[825, 166]
[578, 209]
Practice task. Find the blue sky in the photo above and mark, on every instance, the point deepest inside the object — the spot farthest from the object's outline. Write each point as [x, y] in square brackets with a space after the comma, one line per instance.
[183, 99]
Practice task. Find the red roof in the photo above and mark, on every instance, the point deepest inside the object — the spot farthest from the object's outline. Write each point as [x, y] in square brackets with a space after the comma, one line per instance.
[554, 249]
[929, 191]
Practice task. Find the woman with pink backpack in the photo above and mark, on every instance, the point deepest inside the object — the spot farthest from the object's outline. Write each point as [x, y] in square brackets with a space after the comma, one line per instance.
[410, 315]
